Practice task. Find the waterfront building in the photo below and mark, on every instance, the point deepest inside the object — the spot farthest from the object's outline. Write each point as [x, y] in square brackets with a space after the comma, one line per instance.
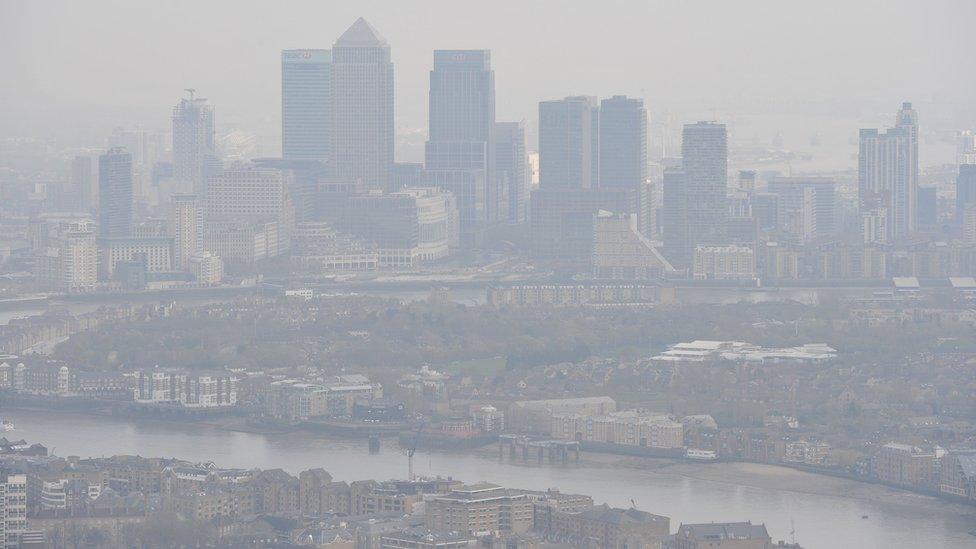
[724, 263]
[115, 193]
[958, 474]
[190, 390]
[306, 100]
[628, 428]
[620, 252]
[904, 465]
[363, 128]
[535, 416]
[155, 252]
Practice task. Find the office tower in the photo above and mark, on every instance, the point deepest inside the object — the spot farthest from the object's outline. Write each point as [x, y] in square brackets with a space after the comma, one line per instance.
[807, 207]
[185, 224]
[407, 174]
[303, 182]
[115, 193]
[306, 117]
[888, 172]
[146, 148]
[363, 130]
[194, 151]
[705, 164]
[623, 142]
[511, 170]
[83, 182]
[250, 201]
[928, 207]
[674, 219]
[566, 143]
[462, 120]
[408, 227]
[965, 189]
[78, 256]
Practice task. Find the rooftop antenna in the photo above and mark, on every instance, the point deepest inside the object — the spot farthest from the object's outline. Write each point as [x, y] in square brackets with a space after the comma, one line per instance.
[633, 504]
[190, 91]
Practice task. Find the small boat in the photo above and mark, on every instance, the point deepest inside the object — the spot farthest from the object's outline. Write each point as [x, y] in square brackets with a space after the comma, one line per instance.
[6, 425]
[864, 516]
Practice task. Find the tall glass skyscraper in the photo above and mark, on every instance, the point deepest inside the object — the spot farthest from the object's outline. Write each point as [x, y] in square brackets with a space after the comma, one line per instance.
[568, 143]
[115, 193]
[363, 131]
[306, 118]
[462, 126]
[623, 142]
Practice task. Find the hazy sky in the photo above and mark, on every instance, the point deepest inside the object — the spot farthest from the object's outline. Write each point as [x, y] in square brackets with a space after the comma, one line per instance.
[74, 69]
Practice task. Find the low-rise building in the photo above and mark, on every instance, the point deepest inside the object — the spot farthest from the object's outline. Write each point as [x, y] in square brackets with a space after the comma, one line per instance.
[631, 428]
[729, 535]
[191, 390]
[958, 474]
[480, 509]
[904, 465]
[612, 528]
[536, 415]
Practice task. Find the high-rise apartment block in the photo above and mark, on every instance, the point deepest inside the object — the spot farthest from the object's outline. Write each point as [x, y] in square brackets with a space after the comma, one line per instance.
[363, 129]
[306, 100]
[807, 206]
[185, 225]
[888, 173]
[194, 149]
[115, 193]
[511, 171]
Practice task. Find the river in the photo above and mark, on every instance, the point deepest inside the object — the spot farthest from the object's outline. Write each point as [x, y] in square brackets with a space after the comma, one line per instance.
[820, 521]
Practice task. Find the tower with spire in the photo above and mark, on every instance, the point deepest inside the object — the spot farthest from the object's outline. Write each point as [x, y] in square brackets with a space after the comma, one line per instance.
[363, 128]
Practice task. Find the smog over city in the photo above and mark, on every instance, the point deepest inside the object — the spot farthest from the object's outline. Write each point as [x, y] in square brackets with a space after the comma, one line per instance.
[545, 274]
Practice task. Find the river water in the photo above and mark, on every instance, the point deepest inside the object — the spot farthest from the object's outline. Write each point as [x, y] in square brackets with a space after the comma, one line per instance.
[820, 521]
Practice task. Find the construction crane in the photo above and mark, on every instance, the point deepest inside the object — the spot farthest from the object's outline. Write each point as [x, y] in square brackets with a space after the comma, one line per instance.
[191, 91]
[412, 450]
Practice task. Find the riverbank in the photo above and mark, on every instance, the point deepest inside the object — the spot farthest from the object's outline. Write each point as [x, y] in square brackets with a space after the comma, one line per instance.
[742, 474]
